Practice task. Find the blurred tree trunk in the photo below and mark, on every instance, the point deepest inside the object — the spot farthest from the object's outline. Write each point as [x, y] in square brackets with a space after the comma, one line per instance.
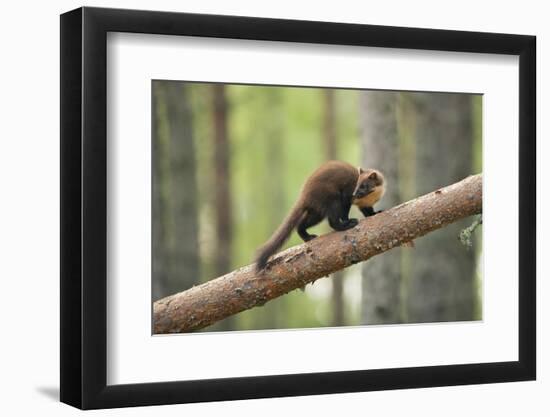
[331, 152]
[441, 285]
[380, 144]
[406, 151]
[159, 260]
[222, 189]
[174, 206]
[273, 123]
[380, 149]
[477, 166]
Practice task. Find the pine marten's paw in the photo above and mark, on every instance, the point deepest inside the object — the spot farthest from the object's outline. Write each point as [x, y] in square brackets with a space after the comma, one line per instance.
[352, 223]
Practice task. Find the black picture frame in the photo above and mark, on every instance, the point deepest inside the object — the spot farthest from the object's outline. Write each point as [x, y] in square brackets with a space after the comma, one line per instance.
[84, 207]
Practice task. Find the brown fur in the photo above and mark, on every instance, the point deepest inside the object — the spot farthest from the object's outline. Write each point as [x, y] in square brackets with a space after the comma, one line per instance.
[321, 191]
[279, 236]
[328, 192]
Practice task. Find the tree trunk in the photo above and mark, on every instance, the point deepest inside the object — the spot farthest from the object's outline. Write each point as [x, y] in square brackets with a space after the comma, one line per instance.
[331, 152]
[380, 149]
[441, 285]
[273, 123]
[159, 258]
[222, 189]
[175, 231]
[244, 288]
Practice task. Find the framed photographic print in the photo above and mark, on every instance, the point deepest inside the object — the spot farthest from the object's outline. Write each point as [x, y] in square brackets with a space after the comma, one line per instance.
[258, 207]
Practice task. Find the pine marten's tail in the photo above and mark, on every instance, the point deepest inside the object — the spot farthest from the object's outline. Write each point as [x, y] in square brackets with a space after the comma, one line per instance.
[279, 237]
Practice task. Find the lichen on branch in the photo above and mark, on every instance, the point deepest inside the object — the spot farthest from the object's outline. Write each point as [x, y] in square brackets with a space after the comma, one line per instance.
[465, 236]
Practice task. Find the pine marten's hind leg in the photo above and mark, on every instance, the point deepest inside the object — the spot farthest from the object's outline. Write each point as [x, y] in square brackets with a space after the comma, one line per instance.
[346, 206]
[311, 219]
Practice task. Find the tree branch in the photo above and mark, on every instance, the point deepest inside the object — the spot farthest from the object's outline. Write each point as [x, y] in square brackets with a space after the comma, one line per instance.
[293, 268]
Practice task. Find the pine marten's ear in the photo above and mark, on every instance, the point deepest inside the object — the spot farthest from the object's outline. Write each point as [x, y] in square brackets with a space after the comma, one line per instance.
[373, 176]
[361, 171]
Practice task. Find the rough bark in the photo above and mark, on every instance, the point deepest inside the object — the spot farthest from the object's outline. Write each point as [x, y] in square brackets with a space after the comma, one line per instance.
[293, 268]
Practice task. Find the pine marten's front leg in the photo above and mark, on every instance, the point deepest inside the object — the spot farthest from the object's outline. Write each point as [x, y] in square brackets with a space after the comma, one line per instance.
[338, 216]
[369, 211]
[346, 206]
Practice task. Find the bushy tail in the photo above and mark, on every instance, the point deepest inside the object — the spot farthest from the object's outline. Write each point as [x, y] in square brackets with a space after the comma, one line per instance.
[279, 237]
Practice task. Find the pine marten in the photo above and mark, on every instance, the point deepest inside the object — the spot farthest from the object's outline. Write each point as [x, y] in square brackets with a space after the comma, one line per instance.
[328, 192]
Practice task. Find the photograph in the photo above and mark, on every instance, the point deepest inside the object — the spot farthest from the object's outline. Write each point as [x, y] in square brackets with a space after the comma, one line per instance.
[259, 205]
[241, 173]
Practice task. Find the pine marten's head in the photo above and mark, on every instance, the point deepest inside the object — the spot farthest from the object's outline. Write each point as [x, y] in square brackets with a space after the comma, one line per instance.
[369, 189]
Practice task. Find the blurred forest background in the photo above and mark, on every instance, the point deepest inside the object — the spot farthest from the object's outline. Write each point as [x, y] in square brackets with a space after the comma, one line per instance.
[229, 162]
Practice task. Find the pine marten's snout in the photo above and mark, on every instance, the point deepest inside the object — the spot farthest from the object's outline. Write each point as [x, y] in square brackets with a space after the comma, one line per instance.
[361, 191]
